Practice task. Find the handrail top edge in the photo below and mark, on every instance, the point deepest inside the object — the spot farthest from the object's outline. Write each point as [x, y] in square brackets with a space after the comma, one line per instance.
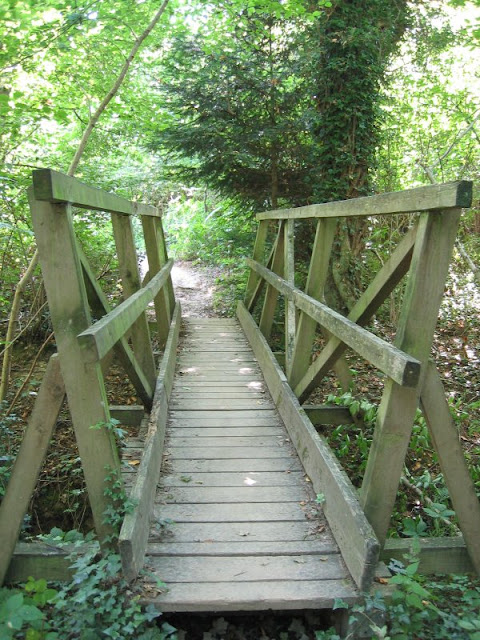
[57, 187]
[448, 195]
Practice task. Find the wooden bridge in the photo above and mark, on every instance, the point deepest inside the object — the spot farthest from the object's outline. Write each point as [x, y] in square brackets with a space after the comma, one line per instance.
[237, 502]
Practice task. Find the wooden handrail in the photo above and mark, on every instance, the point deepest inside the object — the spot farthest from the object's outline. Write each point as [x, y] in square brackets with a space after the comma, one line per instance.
[103, 335]
[53, 186]
[397, 365]
[450, 195]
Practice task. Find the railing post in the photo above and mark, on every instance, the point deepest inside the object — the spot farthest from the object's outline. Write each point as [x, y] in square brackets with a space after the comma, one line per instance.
[258, 252]
[157, 258]
[290, 313]
[70, 315]
[271, 295]
[128, 267]
[428, 271]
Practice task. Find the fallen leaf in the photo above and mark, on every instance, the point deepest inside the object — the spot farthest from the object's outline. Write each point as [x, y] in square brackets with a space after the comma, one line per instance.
[134, 462]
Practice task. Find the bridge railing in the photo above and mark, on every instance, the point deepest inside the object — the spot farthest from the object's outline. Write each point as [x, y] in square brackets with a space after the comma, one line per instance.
[85, 346]
[423, 254]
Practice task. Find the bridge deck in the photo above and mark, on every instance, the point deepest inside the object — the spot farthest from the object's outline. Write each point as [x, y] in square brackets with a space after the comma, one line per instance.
[236, 525]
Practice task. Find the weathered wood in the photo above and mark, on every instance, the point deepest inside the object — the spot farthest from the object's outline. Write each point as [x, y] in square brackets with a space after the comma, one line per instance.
[258, 252]
[271, 295]
[131, 284]
[431, 256]
[452, 461]
[325, 414]
[83, 381]
[231, 479]
[219, 440]
[29, 460]
[246, 512]
[225, 453]
[100, 306]
[316, 280]
[352, 532]
[53, 186]
[211, 547]
[248, 569]
[251, 532]
[277, 595]
[290, 312]
[249, 417]
[379, 289]
[220, 404]
[246, 464]
[232, 432]
[231, 495]
[43, 560]
[392, 361]
[436, 555]
[136, 525]
[436, 196]
[99, 338]
[156, 264]
[130, 415]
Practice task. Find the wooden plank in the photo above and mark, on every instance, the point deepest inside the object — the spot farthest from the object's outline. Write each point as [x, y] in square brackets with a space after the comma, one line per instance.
[168, 362]
[100, 306]
[70, 315]
[391, 360]
[431, 257]
[436, 196]
[130, 415]
[234, 383]
[221, 404]
[290, 312]
[53, 186]
[229, 479]
[44, 560]
[248, 569]
[256, 596]
[325, 414]
[271, 295]
[221, 440]
[136, 525]
[246, 512]
[98, 339]
[390, 274]
[317, 277]
[156, 264]
[252, 532]
[225, 431]
[131, 284]
[233, 393]
[219, 465]
[231, 495]
[29, 460]
[436, 555]
[242, 418]
[250, 549]
[452, 461]
[225, 453]
[353, 534]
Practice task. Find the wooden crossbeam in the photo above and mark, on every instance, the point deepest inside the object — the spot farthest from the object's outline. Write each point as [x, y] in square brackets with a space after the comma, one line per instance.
[100, 306]
[379, 289]
[271, 295]
[445, 439]
[99, 338]
[433, 197]
[29, 460]
[258, 251]
[396, 364]
[53, 186]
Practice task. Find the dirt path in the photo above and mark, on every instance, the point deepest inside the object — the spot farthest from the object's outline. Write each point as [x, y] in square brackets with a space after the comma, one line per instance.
[194, 287]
